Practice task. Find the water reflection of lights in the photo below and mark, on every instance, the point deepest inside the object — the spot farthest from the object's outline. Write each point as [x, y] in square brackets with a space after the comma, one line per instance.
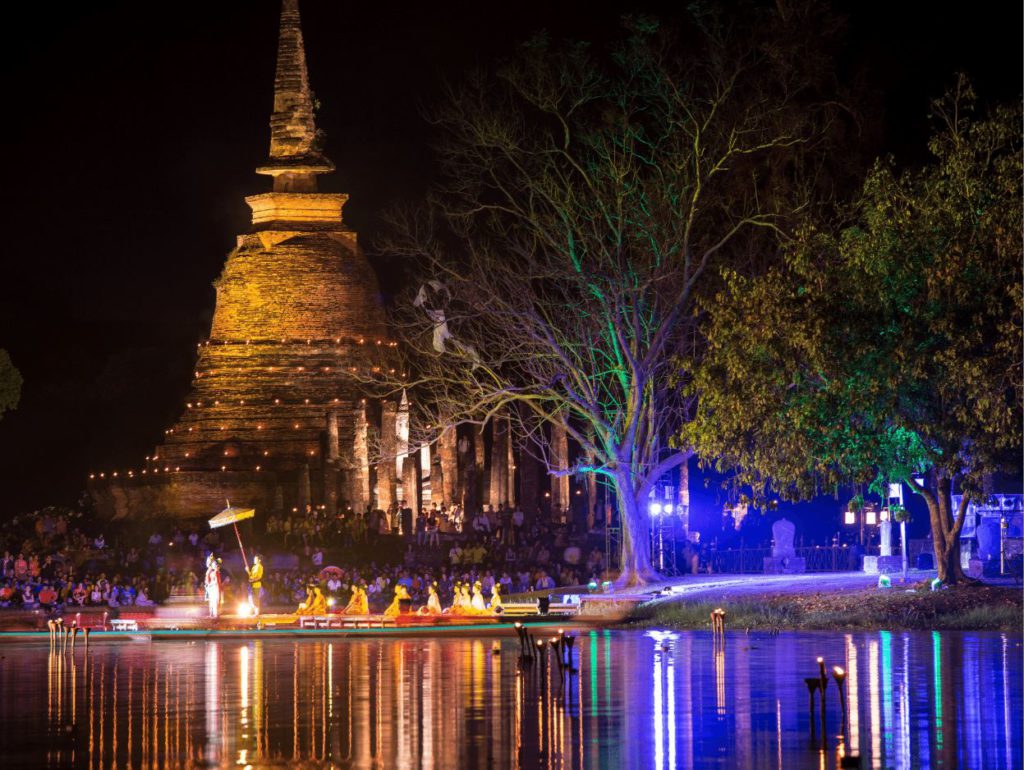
[875, 723]
[853, 694]
[450, 703]
[887, 726]
[1008, 725]
[719, 653]
[664, 711]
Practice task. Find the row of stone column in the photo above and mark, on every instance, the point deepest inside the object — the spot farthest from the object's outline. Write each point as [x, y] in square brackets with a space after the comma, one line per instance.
[471, 465]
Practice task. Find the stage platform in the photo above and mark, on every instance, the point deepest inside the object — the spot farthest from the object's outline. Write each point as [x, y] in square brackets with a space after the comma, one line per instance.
[286, 626]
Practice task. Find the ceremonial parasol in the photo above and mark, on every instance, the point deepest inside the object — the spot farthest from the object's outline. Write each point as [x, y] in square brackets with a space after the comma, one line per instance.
[232, 516]
[329, 572]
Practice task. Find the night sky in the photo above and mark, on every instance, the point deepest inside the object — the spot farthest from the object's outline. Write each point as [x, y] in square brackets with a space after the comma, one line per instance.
[130, 136]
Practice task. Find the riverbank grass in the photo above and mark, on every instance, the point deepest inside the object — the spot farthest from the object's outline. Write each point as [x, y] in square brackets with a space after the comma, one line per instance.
[966, 608]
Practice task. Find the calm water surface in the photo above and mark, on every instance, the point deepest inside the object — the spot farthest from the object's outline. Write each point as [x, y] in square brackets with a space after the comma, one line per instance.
[641, 699]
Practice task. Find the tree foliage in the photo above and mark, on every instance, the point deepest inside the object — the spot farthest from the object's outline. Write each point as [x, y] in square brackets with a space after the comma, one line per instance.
[589, 199]
[888, 346]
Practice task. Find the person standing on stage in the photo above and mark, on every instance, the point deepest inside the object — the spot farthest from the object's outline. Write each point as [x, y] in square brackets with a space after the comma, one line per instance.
[212, 585]
[256, 585]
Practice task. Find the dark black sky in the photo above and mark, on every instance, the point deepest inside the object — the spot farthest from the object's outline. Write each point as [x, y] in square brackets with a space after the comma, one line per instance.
[131, 132]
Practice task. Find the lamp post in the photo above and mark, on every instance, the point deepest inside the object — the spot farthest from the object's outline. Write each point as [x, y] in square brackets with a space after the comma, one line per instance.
[901, 515]
[903, 543]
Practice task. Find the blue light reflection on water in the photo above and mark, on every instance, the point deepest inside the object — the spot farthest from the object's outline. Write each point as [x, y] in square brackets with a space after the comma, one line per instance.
[642, 699]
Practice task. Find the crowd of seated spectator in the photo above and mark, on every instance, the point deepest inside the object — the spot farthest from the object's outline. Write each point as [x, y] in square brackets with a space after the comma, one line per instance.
[55, 560]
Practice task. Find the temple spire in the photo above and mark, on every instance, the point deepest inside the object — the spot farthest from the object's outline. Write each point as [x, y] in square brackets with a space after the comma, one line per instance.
[295, 157]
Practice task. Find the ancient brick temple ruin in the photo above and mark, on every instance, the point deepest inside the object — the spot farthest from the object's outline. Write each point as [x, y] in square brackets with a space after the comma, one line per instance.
[274, 420]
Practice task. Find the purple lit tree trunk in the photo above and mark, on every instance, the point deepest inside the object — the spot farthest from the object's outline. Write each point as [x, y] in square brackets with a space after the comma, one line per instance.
[636, 567]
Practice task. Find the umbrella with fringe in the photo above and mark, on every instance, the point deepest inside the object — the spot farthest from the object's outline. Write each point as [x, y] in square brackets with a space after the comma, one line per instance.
[232, 516]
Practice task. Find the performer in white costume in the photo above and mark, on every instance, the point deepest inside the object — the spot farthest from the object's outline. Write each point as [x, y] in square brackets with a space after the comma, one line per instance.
[212, 585]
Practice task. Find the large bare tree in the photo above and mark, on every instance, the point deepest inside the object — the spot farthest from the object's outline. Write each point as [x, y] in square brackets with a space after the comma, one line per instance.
[587, 198]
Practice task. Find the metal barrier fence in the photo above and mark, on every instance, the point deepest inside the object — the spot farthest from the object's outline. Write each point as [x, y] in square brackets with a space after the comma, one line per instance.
[834, 558]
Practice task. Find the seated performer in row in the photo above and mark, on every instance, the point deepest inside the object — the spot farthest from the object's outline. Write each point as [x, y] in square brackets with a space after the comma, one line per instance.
[315, 604]
[495, 597]
[358, 604]
[477, 602]
[461, 603]
[395, 608]
[433, 606]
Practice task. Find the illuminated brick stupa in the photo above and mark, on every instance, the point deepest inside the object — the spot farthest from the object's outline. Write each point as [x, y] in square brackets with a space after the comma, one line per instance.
[275, 419]
[272, 420]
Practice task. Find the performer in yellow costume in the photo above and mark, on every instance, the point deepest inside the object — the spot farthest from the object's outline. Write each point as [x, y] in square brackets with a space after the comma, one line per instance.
[433, 606]
[395, 608]
[358, 604]
[456, 599]
[256, 584]
[495, 597]
[316, 602]
[477, 606]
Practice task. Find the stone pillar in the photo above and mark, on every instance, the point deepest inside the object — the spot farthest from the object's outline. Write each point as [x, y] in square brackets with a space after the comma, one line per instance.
[303, 485]
[499, 461]
[333, 448]
[510, 464]
[386, 470]
[483, 482]
[360, 474]
[559, 461]
[465, 493]
[402, 444]
[885, 535]
[423, 456]
[448, 449]
[410, 483]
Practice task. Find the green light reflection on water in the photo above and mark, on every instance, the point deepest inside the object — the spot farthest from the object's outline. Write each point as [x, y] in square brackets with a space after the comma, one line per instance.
[937, 679]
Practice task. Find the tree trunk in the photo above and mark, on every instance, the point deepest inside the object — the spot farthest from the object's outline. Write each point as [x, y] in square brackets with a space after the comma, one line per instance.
[950, 569]
[636, 542]
[945, 528]
[945, 542]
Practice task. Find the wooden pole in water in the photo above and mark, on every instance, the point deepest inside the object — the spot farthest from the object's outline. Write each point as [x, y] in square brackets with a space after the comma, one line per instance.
[823, 678]
[840, 676]
[813, 683]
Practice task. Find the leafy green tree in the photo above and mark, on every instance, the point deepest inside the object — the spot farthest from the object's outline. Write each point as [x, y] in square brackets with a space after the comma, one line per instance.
[886, 348]
[10, 383]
